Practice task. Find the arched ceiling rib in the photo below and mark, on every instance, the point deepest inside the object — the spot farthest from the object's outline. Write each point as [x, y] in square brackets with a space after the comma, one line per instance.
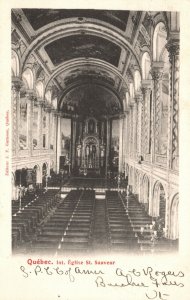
[84, 45]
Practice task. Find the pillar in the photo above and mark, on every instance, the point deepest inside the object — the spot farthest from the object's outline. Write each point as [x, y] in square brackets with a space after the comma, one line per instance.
[108, 129]
[15, 96]
[138, 99]
[73, 142]
[121, 132]
[157, 72]
[30, 102]
[58, 140]
[173, 48]
[146, 117]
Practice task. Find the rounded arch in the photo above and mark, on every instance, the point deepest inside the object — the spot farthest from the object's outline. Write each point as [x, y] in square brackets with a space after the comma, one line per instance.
[40, 89]
[38, 177]
[158, 205]
[126, 101]
[136, 182]
[132, 90]
[45, 173]
[146, 66]
[137, 80]
[59, 31]
[131, 176]
[145, 183]
[54, 102]
[159, 41]
[15, 64]
[13, 185]
[48, 96]
[173, 229]
[28, 78]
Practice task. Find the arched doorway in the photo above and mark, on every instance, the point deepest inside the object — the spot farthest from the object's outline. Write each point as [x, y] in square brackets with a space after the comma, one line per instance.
[159, 202]
[44, 175]
[37, 176]
[145, 192]
[173, 229]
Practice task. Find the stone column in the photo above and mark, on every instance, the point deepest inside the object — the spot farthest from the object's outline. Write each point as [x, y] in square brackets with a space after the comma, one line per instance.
[40, 122]
[58, 141]
[138, 99]
[121, 142]
[173, 48]
[108, 128]
[145, 119]
[73, 147]
[131, 129]
[30, 96]
[15, 96]
[127, 132]
[134, 130]
[157, 72]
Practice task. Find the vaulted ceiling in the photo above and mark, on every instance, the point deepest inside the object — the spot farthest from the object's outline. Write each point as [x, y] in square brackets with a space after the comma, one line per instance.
[70, 47]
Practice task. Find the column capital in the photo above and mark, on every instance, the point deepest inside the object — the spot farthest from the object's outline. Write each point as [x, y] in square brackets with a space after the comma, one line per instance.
[147, 86]
[138, 97]
[131, 103]
[173, 46]
[157, 70]
[16, 84]
[121, 116]
[30, 95]
[126, 112]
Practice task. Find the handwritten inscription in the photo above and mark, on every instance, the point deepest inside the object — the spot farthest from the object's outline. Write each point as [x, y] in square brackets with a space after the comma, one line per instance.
[149, 280]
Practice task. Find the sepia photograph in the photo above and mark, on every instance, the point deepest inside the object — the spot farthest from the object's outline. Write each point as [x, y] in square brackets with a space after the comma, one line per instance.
[94, 150]
[95, 156]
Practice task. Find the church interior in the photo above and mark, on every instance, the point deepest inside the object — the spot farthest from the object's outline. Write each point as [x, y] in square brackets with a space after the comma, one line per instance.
[95, 115]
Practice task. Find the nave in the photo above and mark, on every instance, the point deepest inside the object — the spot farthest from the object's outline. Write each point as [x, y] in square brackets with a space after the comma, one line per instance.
[83, 221]
[95, 138]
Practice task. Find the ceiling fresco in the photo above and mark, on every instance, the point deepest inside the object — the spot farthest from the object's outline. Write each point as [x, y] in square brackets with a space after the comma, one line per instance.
[89, 75]
[41, 17]
[90, 99]
[87, 46]
[89, 53]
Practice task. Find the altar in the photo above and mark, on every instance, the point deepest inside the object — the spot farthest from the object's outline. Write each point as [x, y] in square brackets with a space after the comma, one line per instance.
[90, 147]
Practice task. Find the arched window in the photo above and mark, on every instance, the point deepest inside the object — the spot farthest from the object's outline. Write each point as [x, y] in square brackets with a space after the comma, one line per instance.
[137, 78]
[15, 63]
[159, 41]
[40, 89]
[28, 78]
[131, 89]
[146, 65]
[48, 95]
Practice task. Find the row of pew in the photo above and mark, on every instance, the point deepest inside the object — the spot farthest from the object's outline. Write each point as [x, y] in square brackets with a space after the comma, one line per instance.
[141, 220]
[82, 223]
[28, 215]
[122, 236]
[69, 228]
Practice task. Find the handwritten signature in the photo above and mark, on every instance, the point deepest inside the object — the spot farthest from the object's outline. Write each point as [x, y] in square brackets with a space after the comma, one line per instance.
[152, 280]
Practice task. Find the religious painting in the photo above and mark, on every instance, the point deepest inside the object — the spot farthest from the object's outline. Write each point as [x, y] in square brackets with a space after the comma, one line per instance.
[115, 144]
[52, 131]
[35, 128]
[66, 138]
[23, 126]
[44, 131]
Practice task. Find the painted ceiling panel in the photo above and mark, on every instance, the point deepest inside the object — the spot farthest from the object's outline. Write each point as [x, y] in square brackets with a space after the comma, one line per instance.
[41, 17]
[91, 99]
[87, 46]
